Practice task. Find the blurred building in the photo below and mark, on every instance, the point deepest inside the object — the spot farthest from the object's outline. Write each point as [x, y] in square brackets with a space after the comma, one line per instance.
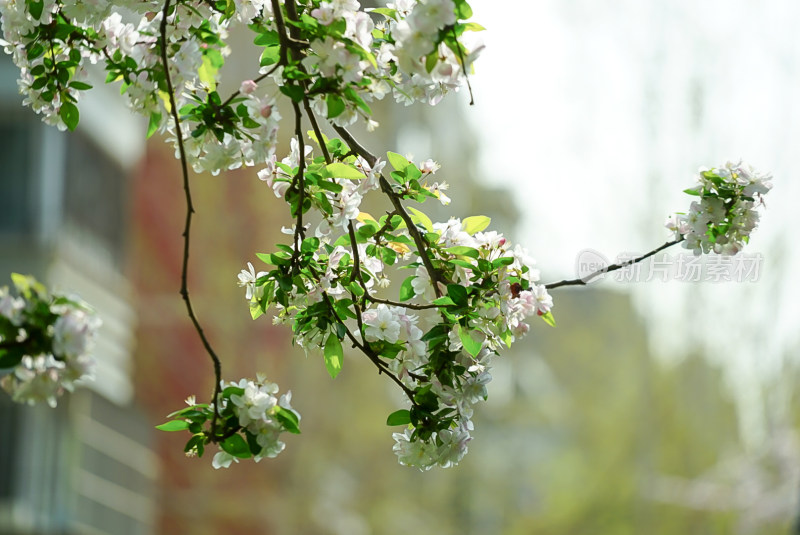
[85, 467]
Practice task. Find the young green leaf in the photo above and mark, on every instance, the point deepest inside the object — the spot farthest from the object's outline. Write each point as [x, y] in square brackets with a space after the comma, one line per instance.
[289, 419]
[472, 346]
[334, 356]
[407, 289]
[549, 319]
[398, 161]
[475, 223]
[174, 425]
[401, 417]
[420, 218]
[155, 120]
[335, 105]
[343, 170]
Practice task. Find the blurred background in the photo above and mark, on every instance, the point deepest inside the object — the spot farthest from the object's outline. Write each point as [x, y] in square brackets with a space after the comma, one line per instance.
[664, 407]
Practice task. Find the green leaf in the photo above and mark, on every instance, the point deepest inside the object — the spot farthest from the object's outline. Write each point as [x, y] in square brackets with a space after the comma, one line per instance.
[80, 86]
[289, 419]
[343, 170]
[462, 263]
[463, 250]
[309, 245]
[431, 60]
[463, 11]
[692, 191]
[398, 162]
[420, 218]
[412, 172]
[255, 310]
[70, 115]
[472, 346]
[270, 56]
[237, 446]
[155, 120]
[473, 27]
[386, 12]
[335, 105]
[267, 38]
[475, 223]
[36, 9]
[507, 337]
[502, 261]
[196, 442]
[458, 294]
[407, 289]
[401, 417]
[174, 425]
[334, 356]
[443, 301]
[549, 319]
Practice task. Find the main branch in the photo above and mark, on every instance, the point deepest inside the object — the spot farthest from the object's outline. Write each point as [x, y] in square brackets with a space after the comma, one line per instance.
[188, 223]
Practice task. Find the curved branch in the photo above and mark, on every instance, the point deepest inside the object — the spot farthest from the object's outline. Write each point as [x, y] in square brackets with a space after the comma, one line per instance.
[613, 267]
[419, 241]
[188, 223]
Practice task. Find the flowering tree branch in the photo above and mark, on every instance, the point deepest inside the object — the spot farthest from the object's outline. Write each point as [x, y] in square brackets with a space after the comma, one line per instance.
[468, 294]
[184, 291]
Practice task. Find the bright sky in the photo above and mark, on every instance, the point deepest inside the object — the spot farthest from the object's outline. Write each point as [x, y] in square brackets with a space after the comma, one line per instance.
[597, 115]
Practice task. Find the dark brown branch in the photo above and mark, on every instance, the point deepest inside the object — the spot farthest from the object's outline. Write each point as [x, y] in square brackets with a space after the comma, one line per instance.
[613, 267]
[317, 131]
[298, 182]
[419, 241]
[364, 348]
[412, 306]
[188, 224]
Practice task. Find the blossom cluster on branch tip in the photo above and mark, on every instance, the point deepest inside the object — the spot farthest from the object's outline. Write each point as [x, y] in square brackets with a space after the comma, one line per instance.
[727, 211]
[45, 342]
[247, 422]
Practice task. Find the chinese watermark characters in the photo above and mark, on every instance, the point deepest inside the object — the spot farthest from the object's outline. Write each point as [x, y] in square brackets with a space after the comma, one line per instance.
[591, 266]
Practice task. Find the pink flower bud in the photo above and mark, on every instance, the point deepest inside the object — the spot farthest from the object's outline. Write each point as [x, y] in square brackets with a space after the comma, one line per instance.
[248, 86]
[266, 111]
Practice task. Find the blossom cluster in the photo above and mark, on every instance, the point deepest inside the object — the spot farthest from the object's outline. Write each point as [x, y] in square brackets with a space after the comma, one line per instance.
[45, 342]
[470, 292]
[341, 57]
[247, 422]
[727, 212]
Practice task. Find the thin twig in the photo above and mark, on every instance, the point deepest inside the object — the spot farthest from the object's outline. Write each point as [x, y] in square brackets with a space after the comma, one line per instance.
[613, 267]
[188, 224]
[412, 306]
[255, 80]
[463, 66]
